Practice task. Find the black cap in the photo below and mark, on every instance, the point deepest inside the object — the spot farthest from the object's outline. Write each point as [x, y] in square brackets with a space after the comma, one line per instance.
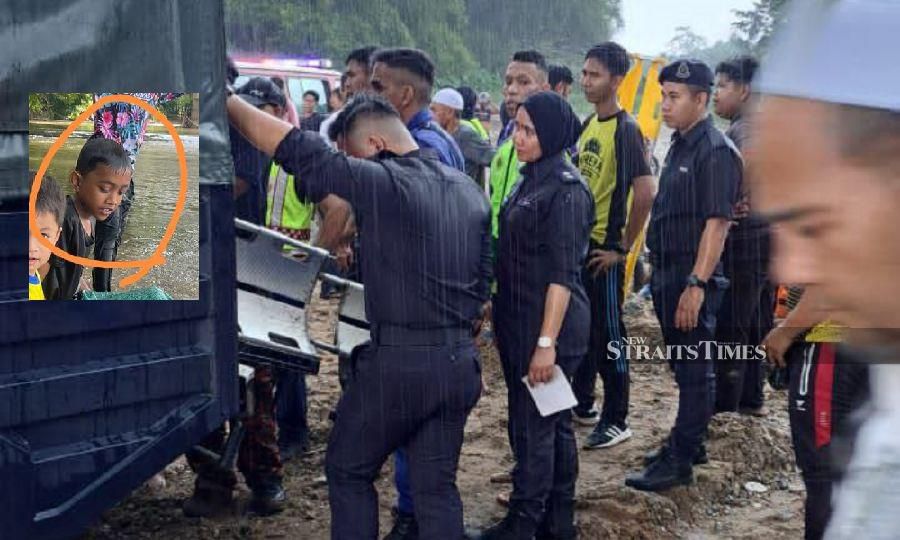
[692, 72]
[260, 91]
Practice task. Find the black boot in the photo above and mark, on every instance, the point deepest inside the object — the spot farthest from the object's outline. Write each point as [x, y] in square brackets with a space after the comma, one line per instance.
[664, 473]
[405, 527]
[700, 458]
[514, 526]
[210, 499]
[268, 499]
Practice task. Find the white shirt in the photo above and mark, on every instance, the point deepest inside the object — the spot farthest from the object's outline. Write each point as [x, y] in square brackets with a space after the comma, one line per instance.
[868, 500]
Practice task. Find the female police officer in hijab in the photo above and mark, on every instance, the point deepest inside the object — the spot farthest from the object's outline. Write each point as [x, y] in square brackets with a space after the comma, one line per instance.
[541, 314]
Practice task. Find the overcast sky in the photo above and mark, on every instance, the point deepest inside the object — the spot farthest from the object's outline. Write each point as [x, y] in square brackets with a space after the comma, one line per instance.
[650, 24]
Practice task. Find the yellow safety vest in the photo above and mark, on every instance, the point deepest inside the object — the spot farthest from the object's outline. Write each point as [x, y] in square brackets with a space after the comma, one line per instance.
[285, 212]
[478, 127]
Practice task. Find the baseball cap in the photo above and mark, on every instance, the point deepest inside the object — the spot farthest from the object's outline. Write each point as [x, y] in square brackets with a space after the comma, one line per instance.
[260, 91]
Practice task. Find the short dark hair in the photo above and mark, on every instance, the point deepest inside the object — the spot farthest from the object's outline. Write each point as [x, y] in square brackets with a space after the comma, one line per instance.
[414, 61]
[100, 151]
[362, 106]
[51, 199]
[531, 57]
[612, 55]
[363, 55]
[739, 69]
[469, 100]
[560, 74]
[312, 93]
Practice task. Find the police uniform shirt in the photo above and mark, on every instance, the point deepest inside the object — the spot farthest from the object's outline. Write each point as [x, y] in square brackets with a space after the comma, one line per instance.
[699, 181]
[545, 225]
[423, 229]
[611, 155]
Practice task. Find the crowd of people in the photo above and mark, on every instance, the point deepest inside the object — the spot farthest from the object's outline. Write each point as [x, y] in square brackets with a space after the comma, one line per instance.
[542, 255]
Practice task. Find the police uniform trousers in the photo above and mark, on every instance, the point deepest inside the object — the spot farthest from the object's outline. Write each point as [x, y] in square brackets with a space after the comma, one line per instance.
[412, 390]
[258, 457]
[605, 293]
[108, 236]
[695, 376]
[544, 448]
[825, 388]
[746, 316]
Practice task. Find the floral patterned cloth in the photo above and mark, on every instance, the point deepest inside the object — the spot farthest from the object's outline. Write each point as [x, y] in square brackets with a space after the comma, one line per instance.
[126, 123]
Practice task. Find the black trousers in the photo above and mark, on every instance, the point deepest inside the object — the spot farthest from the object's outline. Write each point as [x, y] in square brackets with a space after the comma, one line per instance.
[410, 396]
[744, 319]
[825, 388]
[107, 237]
[693, 374]
[607, 330]
[544, 448]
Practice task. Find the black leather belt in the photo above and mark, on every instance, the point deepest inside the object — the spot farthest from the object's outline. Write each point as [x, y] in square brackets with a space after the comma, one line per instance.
[389, 334]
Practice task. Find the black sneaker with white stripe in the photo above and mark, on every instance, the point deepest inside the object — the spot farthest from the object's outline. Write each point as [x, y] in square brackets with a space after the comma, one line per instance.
[588, 417]
[607, 435]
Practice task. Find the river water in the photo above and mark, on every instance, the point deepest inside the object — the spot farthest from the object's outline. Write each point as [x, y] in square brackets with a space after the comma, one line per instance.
[156, 181]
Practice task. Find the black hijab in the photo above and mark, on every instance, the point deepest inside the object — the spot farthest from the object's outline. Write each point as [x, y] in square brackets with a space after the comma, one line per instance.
[556, 124]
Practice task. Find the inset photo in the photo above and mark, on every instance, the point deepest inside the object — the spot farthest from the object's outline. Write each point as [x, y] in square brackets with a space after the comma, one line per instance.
[119, 197]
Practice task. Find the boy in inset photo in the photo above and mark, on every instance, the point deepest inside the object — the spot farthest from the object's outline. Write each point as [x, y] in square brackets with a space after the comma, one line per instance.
[100, 180]
[49, 210]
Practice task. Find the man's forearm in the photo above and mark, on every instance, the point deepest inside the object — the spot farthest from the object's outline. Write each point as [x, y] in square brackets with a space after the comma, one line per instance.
[807, 313]
[641, 203]
[712, 243]
[336, 214]
[263, 130]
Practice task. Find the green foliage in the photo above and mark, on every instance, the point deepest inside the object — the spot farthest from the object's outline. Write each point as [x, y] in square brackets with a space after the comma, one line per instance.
[175, 109]
[756, 25]
[752, 32]
[57, 106]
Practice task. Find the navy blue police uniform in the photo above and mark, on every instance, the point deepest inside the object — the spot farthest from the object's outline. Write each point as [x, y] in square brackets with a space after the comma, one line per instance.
[435, 142]
[699, 181]
[545, 226]
[424, 230]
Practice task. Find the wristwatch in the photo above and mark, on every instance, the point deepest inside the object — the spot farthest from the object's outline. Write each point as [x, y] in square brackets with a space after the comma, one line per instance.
[545, 342]
[694, 281]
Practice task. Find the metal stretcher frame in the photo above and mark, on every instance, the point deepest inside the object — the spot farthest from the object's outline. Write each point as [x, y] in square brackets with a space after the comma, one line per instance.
[274, 287]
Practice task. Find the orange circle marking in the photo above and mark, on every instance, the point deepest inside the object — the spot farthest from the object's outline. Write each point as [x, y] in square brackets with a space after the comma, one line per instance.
[143, 265]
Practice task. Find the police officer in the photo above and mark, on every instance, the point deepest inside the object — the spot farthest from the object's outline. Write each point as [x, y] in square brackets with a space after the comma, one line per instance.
[405, 77]
[426, 227]
[688, 227]
[541, 314]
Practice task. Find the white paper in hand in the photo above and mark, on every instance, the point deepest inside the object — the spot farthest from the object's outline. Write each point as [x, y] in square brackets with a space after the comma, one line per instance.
[554, 396]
